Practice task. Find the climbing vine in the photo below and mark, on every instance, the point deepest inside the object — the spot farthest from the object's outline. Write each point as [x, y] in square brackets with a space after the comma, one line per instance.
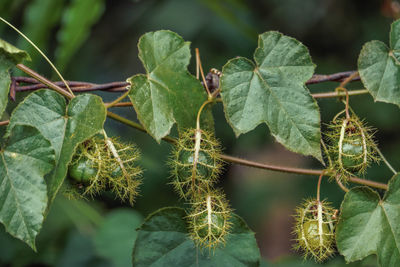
[55, 143]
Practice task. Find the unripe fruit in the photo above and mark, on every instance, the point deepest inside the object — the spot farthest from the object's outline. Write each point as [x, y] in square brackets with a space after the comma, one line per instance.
[353, 153]
[100, 164]
[213, 224]
[195, 162]
[311, 232]
[209, 219]
[351, 147]
[83, 170]
[314, 230]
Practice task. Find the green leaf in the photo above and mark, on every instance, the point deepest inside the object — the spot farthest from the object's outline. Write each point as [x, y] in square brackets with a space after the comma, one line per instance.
[76, 23]
[371, 225]
[9, 56]
[25, 159]
[168, 93]
[379, 67]
[163, 240]
[116, 236]
[272, 91]
[64, 125]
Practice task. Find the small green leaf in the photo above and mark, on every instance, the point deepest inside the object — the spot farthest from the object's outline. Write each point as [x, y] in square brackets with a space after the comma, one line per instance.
[9, 56]
[116, 236]
[379, 67]
[76, 23]
[65, 126]
[371, 225]
[273, 91]
[25, 159]
[163, 240]
[168, 93]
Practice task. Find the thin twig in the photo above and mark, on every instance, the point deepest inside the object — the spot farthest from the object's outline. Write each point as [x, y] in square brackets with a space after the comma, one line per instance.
[120, 86]
[4, 122]
[340, 93]
[45, 81]
[319, 186]
[340, 184]
[335, 77]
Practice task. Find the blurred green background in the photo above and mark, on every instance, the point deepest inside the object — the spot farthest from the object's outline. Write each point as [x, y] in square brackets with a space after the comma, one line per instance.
[95, 41]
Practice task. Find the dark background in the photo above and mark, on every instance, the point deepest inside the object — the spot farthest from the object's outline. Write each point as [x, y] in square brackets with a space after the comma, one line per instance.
[333, 30]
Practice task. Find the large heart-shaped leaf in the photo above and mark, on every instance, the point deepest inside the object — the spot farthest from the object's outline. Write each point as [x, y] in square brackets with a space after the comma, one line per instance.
[163, 240]
[64, 125]
[168, 93]
[379, 67]
[272, 91]
[25, 159]
[9, 56]
[371, 225]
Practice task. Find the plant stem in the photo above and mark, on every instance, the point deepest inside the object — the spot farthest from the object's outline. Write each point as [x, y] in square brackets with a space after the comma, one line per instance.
[341, 185]
[4, 122]
[319, 187]
[45, 81]
[270, 167]
[136, 125]
[340, 93]
[116, 101]
[120, 86]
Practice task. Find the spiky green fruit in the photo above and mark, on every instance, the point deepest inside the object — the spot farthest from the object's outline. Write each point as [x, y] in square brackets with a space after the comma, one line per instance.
[101, 164]
[195, 162]
[209, 220]
[314, 230]
[212, 224]
[83, 170]
[311, 232]
[351, 147]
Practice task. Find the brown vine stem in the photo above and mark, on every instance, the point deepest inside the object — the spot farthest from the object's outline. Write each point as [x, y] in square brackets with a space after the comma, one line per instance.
[319, 186]
[45, 81]
[253, 164]
[77, 86]
[4, 122]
